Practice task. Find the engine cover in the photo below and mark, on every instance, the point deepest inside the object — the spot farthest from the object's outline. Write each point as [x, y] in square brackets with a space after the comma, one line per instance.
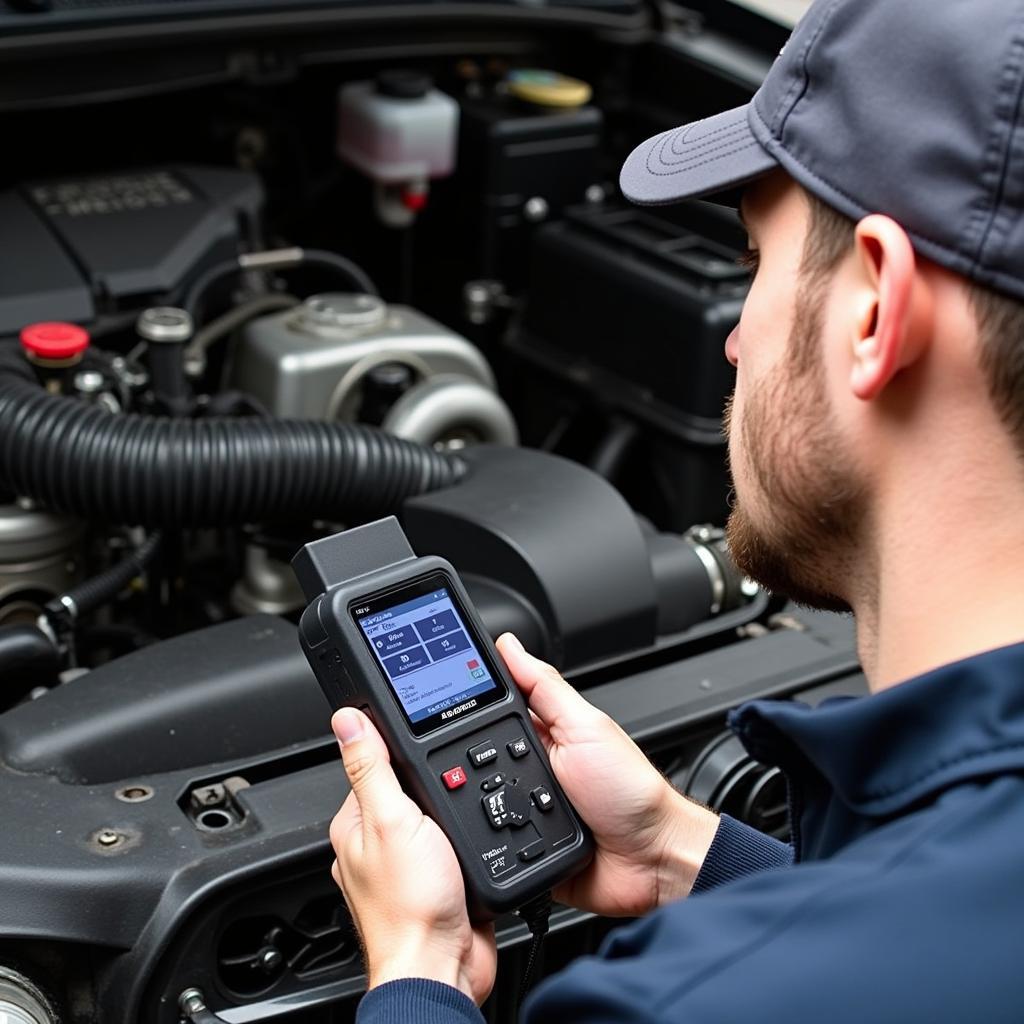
[76, 247]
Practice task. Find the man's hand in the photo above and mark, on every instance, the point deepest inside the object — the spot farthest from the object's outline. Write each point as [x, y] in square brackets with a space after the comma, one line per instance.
[651, 840]
[400, 877]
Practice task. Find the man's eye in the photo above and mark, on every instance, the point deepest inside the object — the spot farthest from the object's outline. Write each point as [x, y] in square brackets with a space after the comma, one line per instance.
[750, 261]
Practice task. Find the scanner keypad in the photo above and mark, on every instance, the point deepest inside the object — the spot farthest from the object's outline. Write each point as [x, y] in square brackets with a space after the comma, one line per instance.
[525, 819]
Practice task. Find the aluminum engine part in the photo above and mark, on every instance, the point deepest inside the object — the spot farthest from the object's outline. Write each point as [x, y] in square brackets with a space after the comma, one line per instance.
[451, 412]
[315, 361]
[21, 1002]
[37, 559]
[268, 586]
[312, 361]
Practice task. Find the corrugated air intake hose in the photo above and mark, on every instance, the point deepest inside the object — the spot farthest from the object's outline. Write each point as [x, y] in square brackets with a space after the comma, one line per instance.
[151, 471]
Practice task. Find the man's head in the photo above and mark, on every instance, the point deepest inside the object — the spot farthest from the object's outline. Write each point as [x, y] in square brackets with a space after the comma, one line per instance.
[884, 323]
[799, 510]
[846, 340]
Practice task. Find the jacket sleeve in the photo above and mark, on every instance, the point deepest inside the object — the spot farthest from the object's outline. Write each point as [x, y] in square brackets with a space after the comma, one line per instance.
[737, 851]
[417, 1001]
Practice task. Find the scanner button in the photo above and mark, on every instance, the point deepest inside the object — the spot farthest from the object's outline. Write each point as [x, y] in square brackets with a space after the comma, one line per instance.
[518, 806]
[519, 747]
[532, 851]
[454, 777]
[483, 753]
[492, 782]
[496, 809]
[542, 798]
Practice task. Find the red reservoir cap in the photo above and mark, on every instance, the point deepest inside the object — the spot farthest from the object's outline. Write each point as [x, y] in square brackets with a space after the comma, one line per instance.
[54, 341]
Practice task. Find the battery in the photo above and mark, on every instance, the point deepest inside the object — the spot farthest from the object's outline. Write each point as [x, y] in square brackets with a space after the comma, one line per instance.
[527, 164]
[629, 309]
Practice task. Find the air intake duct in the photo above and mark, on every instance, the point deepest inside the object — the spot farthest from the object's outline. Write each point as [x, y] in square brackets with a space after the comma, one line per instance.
[152, 471]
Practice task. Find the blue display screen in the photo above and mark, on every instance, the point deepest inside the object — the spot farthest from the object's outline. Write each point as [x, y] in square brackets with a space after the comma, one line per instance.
[427, 655]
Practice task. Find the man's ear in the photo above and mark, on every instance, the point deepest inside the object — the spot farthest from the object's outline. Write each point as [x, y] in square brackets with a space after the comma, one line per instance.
[894, 314]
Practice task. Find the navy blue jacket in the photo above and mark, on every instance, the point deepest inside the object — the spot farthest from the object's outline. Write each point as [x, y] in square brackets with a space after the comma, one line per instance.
[905, 902]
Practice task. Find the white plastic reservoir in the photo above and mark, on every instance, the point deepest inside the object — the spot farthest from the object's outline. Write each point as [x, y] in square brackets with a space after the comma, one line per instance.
[398, 128]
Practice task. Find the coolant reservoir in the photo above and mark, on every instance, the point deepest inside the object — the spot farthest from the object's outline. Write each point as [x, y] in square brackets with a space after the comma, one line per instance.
[398, 129]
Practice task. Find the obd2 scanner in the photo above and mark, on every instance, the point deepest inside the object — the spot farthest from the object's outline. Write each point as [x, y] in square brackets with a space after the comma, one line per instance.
[396, 636]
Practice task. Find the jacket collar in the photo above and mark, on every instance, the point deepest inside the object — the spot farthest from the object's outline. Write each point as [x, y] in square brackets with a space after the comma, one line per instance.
[883, 753]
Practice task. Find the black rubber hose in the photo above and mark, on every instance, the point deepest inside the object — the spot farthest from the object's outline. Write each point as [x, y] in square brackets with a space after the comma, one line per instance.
[91, 594]
[610, 455]
[152, 471]
[288, 259]
[28, 658]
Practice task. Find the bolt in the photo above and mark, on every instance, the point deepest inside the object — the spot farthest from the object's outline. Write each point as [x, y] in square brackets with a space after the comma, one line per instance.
[477, 293]
[134, 794]
[536, 209]
[270, 959]
[131, 376]
[748, 588]
[108, 837]
[195, 364]
[595, 195]
[191, 1001]
[89, 382]
[481, 298]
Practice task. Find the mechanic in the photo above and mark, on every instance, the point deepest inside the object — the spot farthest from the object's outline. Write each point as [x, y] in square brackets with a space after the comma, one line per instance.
[877, 447]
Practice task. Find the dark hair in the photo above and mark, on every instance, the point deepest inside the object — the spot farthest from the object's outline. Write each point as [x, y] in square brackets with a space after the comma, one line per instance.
[1000, 318]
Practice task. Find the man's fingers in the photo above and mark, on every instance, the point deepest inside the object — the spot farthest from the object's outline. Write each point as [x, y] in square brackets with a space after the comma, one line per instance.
[550, 697]
[367, 765]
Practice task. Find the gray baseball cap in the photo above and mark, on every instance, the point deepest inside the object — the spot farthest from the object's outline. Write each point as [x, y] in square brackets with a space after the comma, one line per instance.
[911, 108]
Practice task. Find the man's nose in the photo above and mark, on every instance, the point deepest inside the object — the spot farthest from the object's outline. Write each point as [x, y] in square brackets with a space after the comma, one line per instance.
[732, 346]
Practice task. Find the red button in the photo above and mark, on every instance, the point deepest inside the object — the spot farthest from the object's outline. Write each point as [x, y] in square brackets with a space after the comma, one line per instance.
[54, 340]
[454, 777]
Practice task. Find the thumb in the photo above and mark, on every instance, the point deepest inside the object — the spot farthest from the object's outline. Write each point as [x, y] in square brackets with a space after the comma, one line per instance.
[550, 697]
[367, 764]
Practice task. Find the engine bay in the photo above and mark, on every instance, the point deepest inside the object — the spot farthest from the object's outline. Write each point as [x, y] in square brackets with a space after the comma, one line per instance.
[271, 270]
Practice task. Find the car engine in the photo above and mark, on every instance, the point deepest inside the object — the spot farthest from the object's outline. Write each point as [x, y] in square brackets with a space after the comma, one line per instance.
[277, 268]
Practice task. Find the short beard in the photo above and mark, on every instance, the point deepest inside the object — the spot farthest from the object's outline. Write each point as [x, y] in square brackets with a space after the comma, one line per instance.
[808, 550]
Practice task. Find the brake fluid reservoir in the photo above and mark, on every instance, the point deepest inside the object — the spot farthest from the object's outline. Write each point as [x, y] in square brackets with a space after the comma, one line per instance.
[399, 129]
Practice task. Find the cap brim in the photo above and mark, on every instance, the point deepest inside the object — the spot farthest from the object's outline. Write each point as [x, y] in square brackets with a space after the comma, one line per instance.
[698, 159]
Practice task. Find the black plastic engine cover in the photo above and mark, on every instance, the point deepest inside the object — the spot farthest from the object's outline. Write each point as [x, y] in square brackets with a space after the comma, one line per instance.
[156, 711]
[143, 911]
[73, 247]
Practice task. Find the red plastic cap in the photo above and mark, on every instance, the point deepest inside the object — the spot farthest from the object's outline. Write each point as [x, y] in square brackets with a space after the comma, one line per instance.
[414, 199]
[54, 340]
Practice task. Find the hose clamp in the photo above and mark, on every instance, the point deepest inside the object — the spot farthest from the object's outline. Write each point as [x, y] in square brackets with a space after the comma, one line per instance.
[699, 538]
